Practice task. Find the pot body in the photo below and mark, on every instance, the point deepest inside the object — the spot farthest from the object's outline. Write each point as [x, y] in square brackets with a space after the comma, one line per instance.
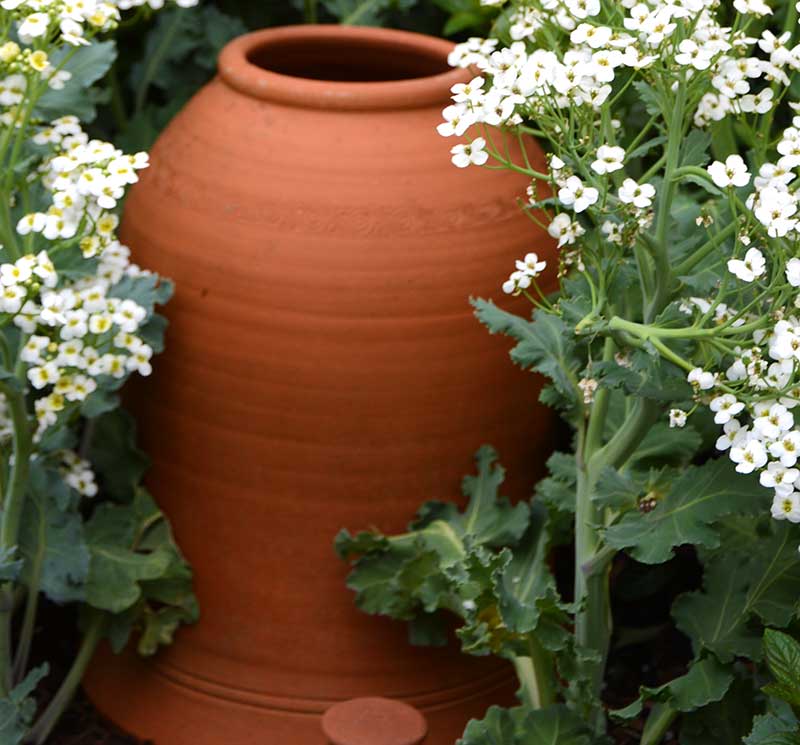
[324, 370]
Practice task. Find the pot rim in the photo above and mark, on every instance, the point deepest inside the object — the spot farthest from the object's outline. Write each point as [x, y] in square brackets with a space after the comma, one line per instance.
[236, 69]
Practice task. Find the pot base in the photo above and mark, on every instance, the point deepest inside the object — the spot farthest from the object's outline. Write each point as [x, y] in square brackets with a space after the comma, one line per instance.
[168, 707]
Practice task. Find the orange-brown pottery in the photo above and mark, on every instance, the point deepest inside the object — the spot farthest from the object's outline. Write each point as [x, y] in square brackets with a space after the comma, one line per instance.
[324, 370]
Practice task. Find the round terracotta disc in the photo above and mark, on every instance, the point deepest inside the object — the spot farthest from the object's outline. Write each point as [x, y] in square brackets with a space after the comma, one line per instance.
[374, 721]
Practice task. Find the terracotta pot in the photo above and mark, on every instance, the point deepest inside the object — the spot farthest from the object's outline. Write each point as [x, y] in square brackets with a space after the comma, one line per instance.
[324, 369]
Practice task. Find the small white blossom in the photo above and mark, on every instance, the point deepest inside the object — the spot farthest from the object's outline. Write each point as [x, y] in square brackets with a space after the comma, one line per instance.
[609, 159]
[752, 266]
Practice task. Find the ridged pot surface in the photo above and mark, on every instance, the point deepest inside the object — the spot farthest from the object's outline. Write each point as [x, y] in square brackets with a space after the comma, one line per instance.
[324, 369]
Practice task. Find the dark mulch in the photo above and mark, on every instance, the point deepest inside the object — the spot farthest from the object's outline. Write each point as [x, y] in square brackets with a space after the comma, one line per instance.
[82, 725]
[55, 643]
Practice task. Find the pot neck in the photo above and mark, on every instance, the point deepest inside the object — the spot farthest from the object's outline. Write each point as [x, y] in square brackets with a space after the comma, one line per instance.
[341, 67]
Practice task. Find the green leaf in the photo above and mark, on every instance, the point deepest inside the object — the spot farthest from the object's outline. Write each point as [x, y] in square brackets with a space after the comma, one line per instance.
[645, 147]
[704, 184]
[777, 727]
[646, 375]
[444, 561]
[52, 543]
[118, 565]
[557, 491]
[783, 659]
[357, 12]
[756, 577]
[649, 96]
[18, 709]
[101, 401]
[489, 519]
[526, 590]
[724, 722]
[114, 455]
[700, 497]
[545, 344]
[153, 332]
[663, 445]
[147, 290]
[695, 149]
[555, 725]
[87, 65]
[10, 568]
[706, 681]
[138, 575]
[617, 491]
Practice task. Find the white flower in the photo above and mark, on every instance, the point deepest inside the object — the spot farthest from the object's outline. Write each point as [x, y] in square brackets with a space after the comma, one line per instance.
[701, 379]
[753, 265]
[677, 418]
[46, 374]
[760, 103]
[775, 210]
[752, 7]
[779, 478]
[793, 272]
[565, 229]
[12, 274]
[530, 265]
[458, 119]
[773, 423]
[639, 195]
[725, 407]
[517, 282]
[34, 26]
[749, 457]
[574, 194]
[473, 153]
[609, 159]
[734, 434]
[130, 314]
[733, 172]
[468, 93]
[690, 54]
[32, 223]
[787, 448]
[786, 507]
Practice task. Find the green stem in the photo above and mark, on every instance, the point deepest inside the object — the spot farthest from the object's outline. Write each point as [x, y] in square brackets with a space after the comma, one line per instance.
[593, 618]
[535, 675]
[627, 438]
[28, 627]
[645, 331]
[311, 11]
[661, 717]
[155, 59]
[118, 110]
[14, 500]
[359, 11]
[692, 261]
[663, 271]
[49, 718]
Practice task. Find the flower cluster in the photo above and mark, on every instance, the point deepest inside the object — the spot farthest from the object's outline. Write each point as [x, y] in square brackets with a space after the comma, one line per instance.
[86, 178]
[73, 23]
[567, 75]
[76, 334]
[77, 473]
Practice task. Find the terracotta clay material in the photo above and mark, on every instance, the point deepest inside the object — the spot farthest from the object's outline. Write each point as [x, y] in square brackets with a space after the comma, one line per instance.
[374, 721]
[324, 370]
